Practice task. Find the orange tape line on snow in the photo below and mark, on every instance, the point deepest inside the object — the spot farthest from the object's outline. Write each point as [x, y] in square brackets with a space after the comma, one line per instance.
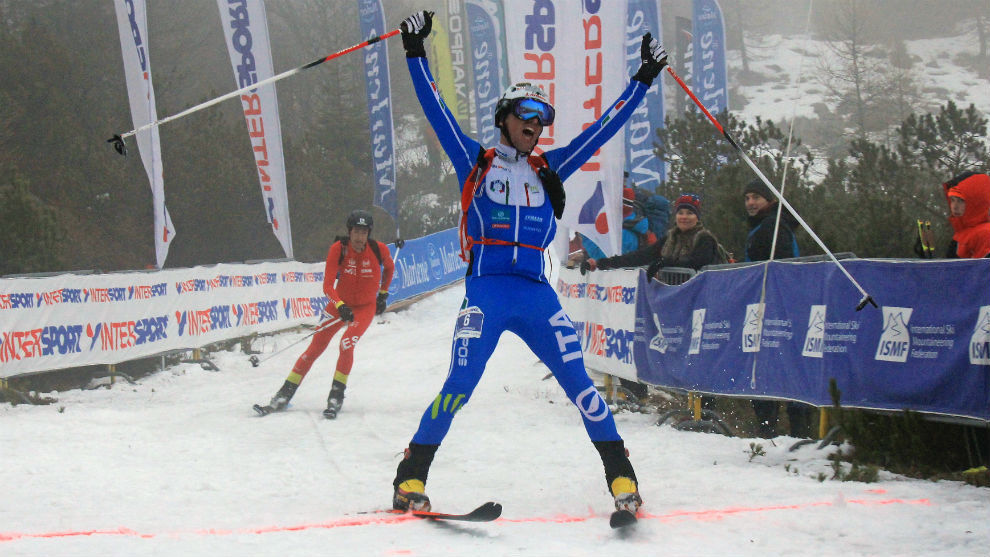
[373, 518]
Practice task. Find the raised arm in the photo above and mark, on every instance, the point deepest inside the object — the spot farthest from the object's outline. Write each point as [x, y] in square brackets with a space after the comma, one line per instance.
[462, 150]
[566, 160]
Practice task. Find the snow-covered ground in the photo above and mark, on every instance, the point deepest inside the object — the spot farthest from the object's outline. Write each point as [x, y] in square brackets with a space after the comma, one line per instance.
[790, 65]
[179, 464]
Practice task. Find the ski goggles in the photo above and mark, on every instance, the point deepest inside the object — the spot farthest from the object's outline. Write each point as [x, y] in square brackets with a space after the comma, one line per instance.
[526, 109]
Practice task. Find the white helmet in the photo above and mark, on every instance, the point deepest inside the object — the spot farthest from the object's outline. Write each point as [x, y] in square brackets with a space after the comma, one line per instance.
[518, 92]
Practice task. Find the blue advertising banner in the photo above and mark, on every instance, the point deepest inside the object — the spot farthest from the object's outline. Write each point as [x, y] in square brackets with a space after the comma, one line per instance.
[487, 64]
[645, 169]
[710, 82]
[379, 106]
[426, 264]
[927, 348]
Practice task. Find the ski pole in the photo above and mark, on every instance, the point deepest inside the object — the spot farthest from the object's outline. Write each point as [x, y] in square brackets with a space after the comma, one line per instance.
[924, 238]
[929, 240]
[867, 299]
[255, 362]
[118, 139]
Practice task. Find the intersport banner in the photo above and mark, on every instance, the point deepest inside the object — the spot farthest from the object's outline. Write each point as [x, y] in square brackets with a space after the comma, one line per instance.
[645, 169]
[488, 64]
[602, 307]
[132, 24]
[245, 29]
[574, 50]
[926, 348]
[379, 90]
[709, 78]
[76, 320]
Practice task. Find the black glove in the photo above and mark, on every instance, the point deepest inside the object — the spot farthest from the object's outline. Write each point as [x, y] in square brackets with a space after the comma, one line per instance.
[380, 303]
[555, 190]
[654, 59]
[415, 29]
[346, 313]
[585, 267]
[655, 267]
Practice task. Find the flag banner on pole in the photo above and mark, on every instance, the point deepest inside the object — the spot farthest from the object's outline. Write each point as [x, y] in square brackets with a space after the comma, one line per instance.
[645, 169]
[245, 28]
[456, 22]
[132, 23]
[710, 82]
[442, 61]
[683, 44]
[571, 51]
[488, 64]
[379, 91]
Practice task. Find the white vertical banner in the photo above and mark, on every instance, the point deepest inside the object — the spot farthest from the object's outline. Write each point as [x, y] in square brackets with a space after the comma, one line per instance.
[132, 23]
[574, 50]
[245, 28]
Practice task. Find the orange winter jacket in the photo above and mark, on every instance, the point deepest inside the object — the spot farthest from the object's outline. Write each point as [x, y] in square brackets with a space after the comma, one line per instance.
[972, 229]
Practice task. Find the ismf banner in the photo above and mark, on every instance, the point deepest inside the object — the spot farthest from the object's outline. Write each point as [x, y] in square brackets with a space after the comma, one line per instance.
[645, 169]
[571, 49]
[927, 347]
[245, 28]
[602, 307]
[484, 20]
[132, 25]
[426, 264]
[709, 77]
[377, 85]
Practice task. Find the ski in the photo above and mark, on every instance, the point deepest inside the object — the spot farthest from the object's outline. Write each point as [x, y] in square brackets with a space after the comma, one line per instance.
[621, 519]
[263, 410]
[485, 513]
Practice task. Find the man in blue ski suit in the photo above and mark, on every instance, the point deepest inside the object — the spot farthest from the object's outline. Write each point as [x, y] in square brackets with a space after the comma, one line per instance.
[509, 201]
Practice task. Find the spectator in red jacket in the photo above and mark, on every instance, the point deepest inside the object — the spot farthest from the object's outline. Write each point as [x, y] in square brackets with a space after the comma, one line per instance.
[358, 272]
[969, 214]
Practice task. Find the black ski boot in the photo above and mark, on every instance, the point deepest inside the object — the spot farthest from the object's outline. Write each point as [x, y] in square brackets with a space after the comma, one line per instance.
[410, 478]
[619, 475]
[334, 400]
[279, 401]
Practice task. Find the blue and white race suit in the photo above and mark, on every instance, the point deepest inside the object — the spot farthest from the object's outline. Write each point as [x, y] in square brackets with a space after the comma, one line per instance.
[507, 288]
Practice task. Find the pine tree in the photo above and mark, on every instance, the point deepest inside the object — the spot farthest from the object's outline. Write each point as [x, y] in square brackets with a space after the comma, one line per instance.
[29, 231]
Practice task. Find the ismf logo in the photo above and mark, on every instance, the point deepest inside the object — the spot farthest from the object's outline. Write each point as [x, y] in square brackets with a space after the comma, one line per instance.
[814, 339]
[979, 343]
[752, 328]
[658, 343]
[895, 339]
[697, 326]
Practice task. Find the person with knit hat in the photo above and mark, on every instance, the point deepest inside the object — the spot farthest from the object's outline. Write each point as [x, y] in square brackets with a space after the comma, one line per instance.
[687, 244]
[968, 195]
[761, 209]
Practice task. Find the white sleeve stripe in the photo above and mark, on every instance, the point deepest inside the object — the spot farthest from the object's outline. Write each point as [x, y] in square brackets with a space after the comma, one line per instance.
[451, 124]
[593, 136]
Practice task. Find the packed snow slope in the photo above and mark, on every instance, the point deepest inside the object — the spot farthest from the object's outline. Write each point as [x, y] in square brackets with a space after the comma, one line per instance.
[179, 464]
